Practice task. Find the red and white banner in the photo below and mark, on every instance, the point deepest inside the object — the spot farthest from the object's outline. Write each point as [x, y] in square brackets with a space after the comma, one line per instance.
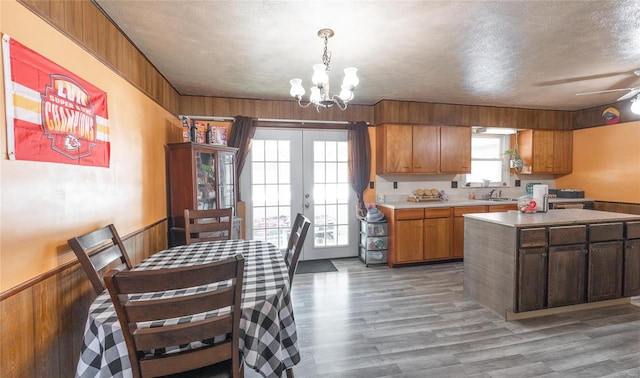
[52, 114]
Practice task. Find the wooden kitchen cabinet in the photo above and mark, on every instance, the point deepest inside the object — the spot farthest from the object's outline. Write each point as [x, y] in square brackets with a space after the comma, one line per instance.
[605, 261]
[418, 235]
[422, 149]
[407, 149]
[532, 278]
[604, 274]
[458, 227]
[562, 151]
[455, 149]
[567, 265]
[546, 151]
[437, 234]
[406, 230]
[394, 151]
[631, 286]
[426, 149]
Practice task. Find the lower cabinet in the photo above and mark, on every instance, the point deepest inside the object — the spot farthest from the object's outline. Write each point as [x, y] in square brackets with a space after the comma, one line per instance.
[631, 268]
[532, 278]
[408, 241]
[437, 234]
[567, 265]
[419, 235]
[605, 271]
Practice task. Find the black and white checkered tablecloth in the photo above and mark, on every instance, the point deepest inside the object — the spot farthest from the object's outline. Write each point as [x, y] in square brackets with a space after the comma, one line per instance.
[268, 336]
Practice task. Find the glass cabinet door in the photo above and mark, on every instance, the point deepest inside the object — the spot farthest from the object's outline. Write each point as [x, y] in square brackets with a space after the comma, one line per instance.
[226, 184]
[206, 180]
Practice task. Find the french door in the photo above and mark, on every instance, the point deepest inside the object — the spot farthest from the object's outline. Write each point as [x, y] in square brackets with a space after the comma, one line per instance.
[301, 171]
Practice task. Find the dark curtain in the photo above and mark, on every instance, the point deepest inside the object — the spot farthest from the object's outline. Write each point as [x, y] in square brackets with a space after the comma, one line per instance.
[359, 162]
[241, 135]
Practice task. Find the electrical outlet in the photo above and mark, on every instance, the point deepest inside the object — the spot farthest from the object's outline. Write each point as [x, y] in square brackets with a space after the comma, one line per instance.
[371, 185]
[395, 185]
[454, 184]
[517, 182]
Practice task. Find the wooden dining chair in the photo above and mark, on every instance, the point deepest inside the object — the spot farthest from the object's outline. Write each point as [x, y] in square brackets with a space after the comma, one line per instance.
[193, 333]
[208, 225]
[296, 240]
[98, 250]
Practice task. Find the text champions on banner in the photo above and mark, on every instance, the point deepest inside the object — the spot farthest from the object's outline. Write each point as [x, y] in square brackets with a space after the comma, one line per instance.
[52, 114]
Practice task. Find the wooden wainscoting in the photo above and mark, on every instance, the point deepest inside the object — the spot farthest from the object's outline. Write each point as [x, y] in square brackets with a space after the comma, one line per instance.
[42, 321]
[618, 207]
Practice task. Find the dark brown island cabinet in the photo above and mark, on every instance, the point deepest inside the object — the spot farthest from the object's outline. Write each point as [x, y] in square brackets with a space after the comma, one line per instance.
[524, 265]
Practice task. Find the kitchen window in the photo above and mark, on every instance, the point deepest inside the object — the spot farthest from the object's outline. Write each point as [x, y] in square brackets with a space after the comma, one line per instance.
[489, 164]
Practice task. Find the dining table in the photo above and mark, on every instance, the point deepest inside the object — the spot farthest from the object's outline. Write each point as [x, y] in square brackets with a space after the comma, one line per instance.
[268, 338]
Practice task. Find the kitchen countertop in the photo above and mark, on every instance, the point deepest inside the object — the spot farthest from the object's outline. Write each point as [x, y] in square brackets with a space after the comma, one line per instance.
[552, 217]
[466, 202]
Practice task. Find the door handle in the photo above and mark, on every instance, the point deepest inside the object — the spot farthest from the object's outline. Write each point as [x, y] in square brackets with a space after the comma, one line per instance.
[306, 205]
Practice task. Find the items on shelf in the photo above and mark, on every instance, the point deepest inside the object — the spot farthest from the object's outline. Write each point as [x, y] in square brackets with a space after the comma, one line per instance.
[199, 131]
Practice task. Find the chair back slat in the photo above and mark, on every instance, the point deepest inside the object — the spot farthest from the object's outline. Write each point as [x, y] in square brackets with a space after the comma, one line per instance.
[178, 317]
[147, 281]
[180, 334]
[296, 241]
[208, 225]
[159, 367]
[97, 250]
[165, 308]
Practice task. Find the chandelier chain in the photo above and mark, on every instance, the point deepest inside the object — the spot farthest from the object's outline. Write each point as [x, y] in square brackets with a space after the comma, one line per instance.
[326, 56]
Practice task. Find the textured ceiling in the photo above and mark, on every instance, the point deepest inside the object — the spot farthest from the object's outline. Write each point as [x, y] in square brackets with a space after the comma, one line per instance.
[527, 54]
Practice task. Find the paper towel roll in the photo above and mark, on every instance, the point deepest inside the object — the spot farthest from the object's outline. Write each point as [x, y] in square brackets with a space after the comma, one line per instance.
[539, 193]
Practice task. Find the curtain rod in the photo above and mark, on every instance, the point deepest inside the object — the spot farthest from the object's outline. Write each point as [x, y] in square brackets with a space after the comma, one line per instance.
[213, 118]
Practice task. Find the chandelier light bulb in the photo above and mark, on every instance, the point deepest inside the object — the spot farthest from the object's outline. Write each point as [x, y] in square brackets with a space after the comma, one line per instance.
[319, 74]
[315, 95]
[346, 94]
[635, 105]
[350, 77]
[296, 88]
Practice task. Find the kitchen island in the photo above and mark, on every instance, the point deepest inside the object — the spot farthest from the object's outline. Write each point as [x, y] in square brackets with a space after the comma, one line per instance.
[523, 265]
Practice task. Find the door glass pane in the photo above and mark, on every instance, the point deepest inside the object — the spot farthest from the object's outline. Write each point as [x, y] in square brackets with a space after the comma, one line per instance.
[271, 191]
[330, 177]
[206, 178]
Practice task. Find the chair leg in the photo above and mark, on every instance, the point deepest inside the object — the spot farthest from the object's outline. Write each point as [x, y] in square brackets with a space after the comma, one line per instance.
[290, 373]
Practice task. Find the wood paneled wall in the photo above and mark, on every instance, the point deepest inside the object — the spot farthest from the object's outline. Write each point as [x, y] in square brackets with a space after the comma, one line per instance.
[592, 117]
[231, 107]
[468, 115]
[42, 321]
[85, 23]
[618, 207]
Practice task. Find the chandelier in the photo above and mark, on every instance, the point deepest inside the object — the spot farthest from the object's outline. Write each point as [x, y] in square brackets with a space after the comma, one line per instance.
[320, 91]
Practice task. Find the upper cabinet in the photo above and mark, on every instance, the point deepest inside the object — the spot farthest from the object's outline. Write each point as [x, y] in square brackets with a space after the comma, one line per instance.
[546, 151]
[407, 149]
[455, 150]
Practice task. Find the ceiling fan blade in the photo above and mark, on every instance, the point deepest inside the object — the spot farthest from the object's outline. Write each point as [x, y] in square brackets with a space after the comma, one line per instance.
[633, 92]
[607, 91]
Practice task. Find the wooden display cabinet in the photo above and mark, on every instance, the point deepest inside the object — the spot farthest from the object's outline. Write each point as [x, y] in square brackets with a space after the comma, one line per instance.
[200, 176]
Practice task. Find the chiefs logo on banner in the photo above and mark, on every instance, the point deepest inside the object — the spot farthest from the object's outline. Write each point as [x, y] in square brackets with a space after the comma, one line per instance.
[52, 114]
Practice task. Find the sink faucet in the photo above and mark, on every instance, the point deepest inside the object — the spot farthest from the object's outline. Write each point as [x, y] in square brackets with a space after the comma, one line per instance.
[490, 195]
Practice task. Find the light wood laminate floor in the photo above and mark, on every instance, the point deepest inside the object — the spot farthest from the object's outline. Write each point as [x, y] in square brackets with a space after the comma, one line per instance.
[416, 322]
